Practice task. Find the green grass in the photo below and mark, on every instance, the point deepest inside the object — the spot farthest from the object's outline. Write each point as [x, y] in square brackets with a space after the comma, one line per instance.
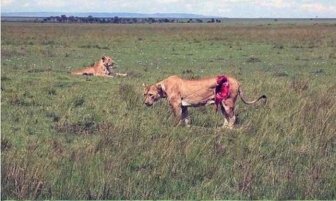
[67, 137]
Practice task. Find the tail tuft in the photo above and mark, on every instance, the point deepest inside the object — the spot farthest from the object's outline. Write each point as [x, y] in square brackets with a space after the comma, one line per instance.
[263, 96]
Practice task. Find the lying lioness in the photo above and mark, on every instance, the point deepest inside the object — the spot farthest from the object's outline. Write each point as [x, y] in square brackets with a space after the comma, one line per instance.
[100, 68]
[182, 94]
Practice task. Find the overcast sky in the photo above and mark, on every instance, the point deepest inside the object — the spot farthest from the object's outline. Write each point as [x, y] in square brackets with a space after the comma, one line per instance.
[223, 8]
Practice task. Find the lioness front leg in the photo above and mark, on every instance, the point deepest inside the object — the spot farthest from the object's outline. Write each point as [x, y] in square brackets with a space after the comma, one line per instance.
[176, 106]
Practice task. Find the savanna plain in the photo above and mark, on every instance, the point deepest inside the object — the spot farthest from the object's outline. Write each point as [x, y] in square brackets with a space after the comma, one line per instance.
[80, 137]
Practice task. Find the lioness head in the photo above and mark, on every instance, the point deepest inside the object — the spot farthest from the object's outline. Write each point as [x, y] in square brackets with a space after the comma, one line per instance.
[108, 63]
[153, 93]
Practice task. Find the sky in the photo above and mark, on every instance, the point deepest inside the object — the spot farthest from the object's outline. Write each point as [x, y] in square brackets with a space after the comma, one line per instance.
[220, 8]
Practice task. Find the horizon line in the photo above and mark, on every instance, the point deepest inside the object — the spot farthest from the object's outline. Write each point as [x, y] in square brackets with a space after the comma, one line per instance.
[140, 13]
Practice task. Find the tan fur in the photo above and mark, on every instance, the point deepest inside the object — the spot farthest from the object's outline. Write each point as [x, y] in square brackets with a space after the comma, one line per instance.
[182, 93]
[101, 68]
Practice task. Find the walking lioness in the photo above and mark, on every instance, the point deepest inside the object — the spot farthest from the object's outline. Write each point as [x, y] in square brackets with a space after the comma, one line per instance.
[181, 94]
[102, 67]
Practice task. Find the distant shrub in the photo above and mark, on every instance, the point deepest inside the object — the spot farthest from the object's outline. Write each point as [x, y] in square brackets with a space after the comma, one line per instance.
[95, 46]
[278, 46]
[253, 60]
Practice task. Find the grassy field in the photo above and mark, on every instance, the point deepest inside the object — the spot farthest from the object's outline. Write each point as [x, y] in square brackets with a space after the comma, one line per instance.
[66, 137]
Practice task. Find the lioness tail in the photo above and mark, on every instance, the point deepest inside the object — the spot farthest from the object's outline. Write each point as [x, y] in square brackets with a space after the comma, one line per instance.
[240, 92]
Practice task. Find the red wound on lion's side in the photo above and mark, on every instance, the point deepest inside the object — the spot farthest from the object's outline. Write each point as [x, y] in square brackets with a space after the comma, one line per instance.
[222, 89]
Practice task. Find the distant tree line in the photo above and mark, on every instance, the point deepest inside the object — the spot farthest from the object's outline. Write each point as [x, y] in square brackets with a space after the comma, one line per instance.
[125, 20]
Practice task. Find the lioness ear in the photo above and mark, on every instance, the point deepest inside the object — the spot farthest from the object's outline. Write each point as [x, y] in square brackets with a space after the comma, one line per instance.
[159, 86]
[146, 88]
[143, 84]
[161, 89]
[103, 58]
